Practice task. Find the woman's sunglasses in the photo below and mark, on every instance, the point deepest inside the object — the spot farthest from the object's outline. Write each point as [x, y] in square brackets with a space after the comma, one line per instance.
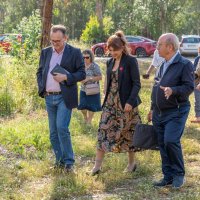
[86, 57]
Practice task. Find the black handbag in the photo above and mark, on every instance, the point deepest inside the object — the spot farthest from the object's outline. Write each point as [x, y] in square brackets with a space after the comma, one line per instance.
[145, 137]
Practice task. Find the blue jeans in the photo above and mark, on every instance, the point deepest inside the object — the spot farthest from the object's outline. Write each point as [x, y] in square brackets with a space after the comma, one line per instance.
[59, 119]
[197, 102]
[169, 126]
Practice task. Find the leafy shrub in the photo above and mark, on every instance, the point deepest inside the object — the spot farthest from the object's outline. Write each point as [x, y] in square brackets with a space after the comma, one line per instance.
[18, 76]
[30, 28]
[92, 30]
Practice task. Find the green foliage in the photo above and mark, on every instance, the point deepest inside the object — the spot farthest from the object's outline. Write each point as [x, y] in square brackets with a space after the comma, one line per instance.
[73, 14]
[18, 84]
[138, 17]
[7, 105]
[12, 13]
[30, 28]
[92, 30]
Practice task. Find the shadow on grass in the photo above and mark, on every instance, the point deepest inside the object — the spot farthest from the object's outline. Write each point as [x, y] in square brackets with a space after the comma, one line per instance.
[86, 129]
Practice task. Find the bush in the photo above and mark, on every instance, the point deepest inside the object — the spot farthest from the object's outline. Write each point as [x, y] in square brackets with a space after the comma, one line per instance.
[19, 86]
[92, 30]
[30, 28]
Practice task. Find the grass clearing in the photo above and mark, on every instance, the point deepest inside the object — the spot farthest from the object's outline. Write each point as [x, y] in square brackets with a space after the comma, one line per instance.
[26, 158]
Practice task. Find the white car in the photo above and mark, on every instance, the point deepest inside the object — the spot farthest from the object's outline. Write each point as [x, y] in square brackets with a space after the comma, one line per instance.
[190, 44]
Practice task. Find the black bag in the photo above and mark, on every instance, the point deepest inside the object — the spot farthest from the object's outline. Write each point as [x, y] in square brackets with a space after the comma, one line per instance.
[58, 69]
[145, 137]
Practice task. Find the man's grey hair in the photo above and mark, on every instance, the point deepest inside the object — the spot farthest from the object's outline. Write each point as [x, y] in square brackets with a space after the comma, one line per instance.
[59, 27]
[171, 38]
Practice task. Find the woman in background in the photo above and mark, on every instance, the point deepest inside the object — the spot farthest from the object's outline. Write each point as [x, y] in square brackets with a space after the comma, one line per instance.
[90, 103]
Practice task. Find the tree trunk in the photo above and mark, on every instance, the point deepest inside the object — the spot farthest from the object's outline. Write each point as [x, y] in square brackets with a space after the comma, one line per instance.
[46, 22]
[99, 13]
[162, 18]
[2, 20]
[40, 5]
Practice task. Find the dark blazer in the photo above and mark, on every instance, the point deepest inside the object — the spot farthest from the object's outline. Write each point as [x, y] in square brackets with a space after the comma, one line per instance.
[128, 80]
[179, 77]
[72, 61]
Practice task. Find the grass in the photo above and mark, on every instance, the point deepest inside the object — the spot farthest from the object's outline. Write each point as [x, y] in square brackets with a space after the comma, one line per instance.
[26, 158]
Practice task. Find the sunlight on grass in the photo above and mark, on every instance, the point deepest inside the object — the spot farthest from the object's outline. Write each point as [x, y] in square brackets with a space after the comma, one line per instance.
[26, 164]
[191, 146]
[84, 145]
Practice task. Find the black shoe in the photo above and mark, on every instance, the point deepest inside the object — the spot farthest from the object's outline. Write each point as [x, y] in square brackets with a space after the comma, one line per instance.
[178, 182]
[57, 166]
[162, 183]
[69, 168]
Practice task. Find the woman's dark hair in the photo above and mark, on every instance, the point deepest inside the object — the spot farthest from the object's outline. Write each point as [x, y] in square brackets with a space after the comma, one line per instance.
[89, 52]
[118, 41]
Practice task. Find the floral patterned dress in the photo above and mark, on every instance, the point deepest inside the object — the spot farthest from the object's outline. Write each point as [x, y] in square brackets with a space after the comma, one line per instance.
[116, 128]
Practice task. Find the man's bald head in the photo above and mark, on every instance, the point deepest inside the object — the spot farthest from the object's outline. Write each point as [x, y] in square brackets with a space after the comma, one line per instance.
[171, 39]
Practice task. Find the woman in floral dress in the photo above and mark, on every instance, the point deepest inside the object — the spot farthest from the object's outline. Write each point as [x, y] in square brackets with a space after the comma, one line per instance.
[120, 112]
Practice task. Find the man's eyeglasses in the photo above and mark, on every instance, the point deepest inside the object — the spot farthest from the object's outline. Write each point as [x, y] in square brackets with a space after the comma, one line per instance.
[160, 44]
[56, 41]
[86, 57]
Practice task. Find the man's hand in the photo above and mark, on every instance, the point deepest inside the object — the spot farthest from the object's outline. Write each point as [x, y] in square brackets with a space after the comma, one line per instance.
[198, 87]
[145, 76]
[167, 90]
[149, 116]
[128, 107]
[59, 77]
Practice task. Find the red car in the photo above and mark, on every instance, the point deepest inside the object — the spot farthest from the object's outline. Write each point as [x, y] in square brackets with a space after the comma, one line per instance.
[140, 46]
[6, 41]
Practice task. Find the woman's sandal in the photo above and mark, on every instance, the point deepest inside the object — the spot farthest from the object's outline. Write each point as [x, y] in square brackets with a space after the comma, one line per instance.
[132, 170]
[95, 172]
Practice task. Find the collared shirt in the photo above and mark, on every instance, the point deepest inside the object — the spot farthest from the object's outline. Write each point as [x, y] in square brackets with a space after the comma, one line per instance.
[168, 63]
[51, 84]
[157, 60]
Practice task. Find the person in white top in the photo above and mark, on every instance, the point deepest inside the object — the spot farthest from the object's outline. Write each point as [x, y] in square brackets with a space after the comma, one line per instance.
[197, 90]
[156, 62]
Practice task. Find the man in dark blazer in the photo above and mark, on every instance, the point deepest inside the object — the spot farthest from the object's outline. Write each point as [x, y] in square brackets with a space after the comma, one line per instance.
[60, 91]
[174, 82]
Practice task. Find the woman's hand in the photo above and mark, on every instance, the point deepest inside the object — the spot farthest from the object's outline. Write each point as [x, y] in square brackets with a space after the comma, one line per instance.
[85, 80]
[128, 107]
[198, 87]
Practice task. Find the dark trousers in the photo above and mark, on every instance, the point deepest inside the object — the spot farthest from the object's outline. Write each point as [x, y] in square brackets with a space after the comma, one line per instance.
[169, 126]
